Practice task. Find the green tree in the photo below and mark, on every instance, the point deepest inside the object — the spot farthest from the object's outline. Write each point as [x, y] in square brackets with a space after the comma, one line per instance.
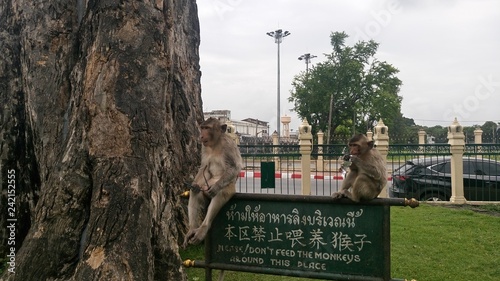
[403, 130]
[351, 89]
[491, 132]
[489, 127]
[439, 133]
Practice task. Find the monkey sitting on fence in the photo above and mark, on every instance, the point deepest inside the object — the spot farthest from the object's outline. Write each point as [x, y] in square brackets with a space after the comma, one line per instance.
[367, 174]
[215, 181]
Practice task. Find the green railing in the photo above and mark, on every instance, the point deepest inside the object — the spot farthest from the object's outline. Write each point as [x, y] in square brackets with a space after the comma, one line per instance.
[400, 153]
[286, 159]
[325, 163]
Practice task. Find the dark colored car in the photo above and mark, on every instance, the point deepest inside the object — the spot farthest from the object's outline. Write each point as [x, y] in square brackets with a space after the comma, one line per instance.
[429, 179]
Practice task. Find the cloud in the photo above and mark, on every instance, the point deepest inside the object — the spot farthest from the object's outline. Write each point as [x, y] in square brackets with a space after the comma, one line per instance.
[440, 48]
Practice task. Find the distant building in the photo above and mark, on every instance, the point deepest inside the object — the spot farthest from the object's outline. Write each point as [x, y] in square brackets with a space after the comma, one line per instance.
[222, 115]
[252, 127]
[252, 130]
[247, 127]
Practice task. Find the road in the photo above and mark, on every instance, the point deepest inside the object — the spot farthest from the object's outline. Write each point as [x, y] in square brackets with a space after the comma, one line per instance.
[324, 187]
[288, 186]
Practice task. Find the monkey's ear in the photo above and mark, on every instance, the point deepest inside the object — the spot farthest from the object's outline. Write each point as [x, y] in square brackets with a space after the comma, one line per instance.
[223, 128]
[370, 144]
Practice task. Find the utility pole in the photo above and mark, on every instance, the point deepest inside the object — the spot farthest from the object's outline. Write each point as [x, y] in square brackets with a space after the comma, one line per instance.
[278, 36]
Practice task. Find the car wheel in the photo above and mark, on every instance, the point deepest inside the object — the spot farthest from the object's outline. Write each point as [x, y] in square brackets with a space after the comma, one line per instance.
[435, 197]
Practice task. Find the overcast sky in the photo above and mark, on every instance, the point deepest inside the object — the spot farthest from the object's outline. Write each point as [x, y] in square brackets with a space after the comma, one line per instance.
[448, 53]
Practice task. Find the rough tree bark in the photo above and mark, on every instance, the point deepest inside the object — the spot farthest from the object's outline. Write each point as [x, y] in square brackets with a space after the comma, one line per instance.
[100, 104]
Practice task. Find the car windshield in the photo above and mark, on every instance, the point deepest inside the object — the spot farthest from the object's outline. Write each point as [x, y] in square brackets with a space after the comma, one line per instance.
[405, 169]
[487, 169]
[441, 168]
[467, 169]
[471, 167]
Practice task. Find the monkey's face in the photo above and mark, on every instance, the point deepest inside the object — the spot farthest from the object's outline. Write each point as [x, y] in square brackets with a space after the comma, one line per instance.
[354, 148]
[359, 145]
[211, 131]
[210, 136]
[205, 136]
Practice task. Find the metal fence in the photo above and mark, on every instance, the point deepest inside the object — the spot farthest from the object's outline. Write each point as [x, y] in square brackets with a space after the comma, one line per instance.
[326, 161]
[426, 172]
[287, 163]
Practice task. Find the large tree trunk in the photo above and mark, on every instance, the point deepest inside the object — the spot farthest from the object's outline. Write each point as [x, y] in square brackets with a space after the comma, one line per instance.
[100, 104]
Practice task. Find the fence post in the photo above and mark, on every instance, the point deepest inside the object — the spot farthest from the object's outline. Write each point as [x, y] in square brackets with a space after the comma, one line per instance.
[421, 141]
[277, 164]
[319, 162]
[381, 138]
[478, 136]
[421, 136]
[305, 143]
[478, 139]
[369, 135]
[456, 140]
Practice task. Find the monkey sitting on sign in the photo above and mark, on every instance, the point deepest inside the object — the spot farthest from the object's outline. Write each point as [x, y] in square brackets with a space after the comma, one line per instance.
[367, 174]
[215, 181]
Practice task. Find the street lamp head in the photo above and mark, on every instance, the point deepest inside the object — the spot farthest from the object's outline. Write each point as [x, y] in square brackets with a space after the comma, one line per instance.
[278, 35]
[305, 57]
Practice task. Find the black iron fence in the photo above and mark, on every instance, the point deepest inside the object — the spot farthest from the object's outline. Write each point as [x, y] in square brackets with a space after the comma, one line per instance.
[433, 182]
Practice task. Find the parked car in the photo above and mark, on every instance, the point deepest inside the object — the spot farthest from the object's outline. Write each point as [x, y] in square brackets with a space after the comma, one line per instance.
[429, 179]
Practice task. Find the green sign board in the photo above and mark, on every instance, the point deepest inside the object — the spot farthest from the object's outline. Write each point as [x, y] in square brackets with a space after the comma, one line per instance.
[302, 235]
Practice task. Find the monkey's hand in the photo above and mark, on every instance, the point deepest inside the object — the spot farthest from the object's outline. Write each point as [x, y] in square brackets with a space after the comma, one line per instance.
[212, 191]
[194, 187]
[355, 159]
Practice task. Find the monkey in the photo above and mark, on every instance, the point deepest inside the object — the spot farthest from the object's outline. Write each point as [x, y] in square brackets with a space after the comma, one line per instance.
[367, 174]
[215, 182]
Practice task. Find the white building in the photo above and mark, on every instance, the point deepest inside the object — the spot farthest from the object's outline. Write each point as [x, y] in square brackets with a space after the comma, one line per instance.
[251, 127]
[247, 127]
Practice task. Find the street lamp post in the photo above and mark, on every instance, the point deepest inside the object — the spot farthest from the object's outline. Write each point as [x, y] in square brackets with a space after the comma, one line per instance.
[307, 58]
[278, 36]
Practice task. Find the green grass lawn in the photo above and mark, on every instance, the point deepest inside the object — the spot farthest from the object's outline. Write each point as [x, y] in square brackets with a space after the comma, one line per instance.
[429, 243]
[439, 243]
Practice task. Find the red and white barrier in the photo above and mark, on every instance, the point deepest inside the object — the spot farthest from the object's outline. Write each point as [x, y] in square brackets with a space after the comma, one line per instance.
[282, 175]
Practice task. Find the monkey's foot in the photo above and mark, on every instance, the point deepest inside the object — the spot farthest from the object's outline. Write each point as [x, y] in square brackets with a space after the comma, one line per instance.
[200, 234]
[337, 195]
[188, 237]
[195, 236]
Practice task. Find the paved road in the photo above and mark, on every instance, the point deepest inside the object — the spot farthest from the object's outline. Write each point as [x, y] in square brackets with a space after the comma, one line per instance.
[323, 187]
[287, 186]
